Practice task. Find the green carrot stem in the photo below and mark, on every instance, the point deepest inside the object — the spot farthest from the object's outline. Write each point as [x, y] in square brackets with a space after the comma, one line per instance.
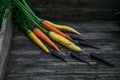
[25, 10]
[31, 18]
[32, 13]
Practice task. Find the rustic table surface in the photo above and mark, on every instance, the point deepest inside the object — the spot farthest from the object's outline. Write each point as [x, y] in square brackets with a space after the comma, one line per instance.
[28, 62]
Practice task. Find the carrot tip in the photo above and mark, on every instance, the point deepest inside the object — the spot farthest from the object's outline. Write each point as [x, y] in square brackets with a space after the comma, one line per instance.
[80, 34]
[57, 55]
[61, 53]
[68, 37]
[84, 52]
[77, 56]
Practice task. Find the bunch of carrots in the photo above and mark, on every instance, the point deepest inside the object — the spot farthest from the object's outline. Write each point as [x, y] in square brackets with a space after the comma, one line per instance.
[39, 30]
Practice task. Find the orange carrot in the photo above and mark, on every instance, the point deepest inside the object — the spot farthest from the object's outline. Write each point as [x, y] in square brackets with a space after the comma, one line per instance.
[42, 36]
[36, 40]
[63, 27]
[49, 27]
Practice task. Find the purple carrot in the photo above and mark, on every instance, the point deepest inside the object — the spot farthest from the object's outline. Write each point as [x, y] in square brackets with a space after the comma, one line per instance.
[97, 57]
[76, 37]
[57, 55]
[78, 57]
[82, 43]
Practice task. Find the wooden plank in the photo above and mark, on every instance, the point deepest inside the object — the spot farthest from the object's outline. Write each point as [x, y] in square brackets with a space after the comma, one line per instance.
[5, 40]
[77, 10]
[108, 77]
[76, 14]
[60, 76]
[74, 66]
[75, 3]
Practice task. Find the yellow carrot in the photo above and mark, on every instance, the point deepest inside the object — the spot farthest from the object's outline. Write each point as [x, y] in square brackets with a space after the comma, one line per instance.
[65, 42]
[36, 40]
[49, 27]
[63, 27]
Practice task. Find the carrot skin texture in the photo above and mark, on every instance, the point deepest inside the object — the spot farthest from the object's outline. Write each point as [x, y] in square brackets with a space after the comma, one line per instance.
[63, 27]
[36, 40]
[57, 55]
[75, 37]
[97, 57]
[42, 36]
[78, 57]
[49, 27]
[65, 42]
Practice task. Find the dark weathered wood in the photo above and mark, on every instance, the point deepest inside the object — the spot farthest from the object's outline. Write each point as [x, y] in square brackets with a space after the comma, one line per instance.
[76, 3]
[76, 14]
[5, 40]
[76, 10]
[29, 62]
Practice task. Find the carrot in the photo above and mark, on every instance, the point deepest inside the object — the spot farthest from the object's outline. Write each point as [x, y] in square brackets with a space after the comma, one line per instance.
[49, 27]
[57, 55]
[98, 57]
[62, 27]
[42, 36]
[78, 57]
[34, 38]
[65, 42]
[76, 37]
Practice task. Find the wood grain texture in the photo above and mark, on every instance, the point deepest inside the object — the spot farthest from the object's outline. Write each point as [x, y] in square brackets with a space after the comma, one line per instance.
[76, 3]
[76, 10]
[5, 41]
[28, 62]
[77, 14]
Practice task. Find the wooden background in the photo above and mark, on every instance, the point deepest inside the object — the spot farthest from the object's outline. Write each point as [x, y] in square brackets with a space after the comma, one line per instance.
[28, 62]
[76, 10]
